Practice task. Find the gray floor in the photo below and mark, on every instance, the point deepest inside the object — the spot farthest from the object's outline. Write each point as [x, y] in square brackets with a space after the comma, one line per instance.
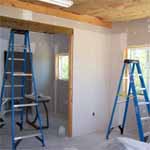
[94, 141]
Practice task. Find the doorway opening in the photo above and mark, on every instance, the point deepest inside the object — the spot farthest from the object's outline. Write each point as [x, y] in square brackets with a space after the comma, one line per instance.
[50, 45]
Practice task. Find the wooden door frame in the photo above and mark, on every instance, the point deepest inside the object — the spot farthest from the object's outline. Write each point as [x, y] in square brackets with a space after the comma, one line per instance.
[70, 105]
[8, 22]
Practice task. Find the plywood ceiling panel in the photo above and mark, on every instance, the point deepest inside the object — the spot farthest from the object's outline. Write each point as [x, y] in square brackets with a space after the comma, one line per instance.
[110, 10]
[113, 10]
[40, 7]
[105, 10]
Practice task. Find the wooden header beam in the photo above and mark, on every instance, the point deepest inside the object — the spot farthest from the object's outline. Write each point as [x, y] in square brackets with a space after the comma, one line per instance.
[55, 12]
[33, 26]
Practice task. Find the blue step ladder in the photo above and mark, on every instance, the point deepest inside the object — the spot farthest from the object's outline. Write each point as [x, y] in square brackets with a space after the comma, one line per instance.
[11, 59]
[131, 66]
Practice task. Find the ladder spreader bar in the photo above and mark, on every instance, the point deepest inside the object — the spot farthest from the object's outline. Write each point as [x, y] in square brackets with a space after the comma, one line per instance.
[144, 103]
[25, 105]
[17, 59]
[26, 136]
[20, 74]
[9, 86]
[145, 118]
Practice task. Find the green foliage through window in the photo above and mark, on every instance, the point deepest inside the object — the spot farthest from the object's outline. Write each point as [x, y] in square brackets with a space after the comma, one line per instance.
[63, 66]
[143, 55]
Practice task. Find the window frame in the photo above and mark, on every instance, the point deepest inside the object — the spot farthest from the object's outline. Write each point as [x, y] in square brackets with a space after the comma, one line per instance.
[126, 56]
[57, 66]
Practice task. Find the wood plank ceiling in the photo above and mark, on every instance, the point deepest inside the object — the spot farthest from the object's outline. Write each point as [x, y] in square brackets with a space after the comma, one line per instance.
[113, 10]
[110, 10]
[98, 12]
[44, 8]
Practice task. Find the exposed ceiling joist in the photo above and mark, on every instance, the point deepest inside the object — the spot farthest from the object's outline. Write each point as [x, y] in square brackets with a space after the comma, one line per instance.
[47, 9]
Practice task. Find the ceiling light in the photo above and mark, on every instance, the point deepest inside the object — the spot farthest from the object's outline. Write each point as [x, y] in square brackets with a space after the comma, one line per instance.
[63, 3]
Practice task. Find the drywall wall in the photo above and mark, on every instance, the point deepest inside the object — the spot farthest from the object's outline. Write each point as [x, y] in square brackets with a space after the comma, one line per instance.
[91, 81]
[138, 32]
[91, 69]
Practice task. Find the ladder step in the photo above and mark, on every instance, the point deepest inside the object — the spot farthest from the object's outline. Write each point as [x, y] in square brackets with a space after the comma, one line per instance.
[144, 103]
[145, 118]
[135, 74]
[20, 74]
[25, 105]
[9, 110]
[27, 136]
[5, 100]
[16, 59]
[15, 98]
[126, 78]
[9, 86]
[142, 89]
[123, 101]
[18, 46]
[124, 95]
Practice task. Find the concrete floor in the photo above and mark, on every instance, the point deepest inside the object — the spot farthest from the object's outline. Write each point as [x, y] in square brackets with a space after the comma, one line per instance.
[94, 141]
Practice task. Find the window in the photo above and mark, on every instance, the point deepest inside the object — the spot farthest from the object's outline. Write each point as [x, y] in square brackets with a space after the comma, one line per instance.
[62, 66]
[143, 55]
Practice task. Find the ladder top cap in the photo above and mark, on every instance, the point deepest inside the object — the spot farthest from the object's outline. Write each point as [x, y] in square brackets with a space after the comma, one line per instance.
[128, 61]
[19, 31]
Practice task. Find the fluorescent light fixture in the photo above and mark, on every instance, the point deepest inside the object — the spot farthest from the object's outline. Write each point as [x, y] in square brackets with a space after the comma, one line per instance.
[63, 3]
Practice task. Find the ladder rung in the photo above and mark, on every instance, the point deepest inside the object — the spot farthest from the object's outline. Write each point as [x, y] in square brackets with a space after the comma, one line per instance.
[146, 134]
[5, 100]
[119, 102]
[18, 46]
[15, 98]
[142, 89]
[26, 136]
[25, 105]
[16, 59]
[143, 103]
[8, 86]
[124, 95]
[125, 78]
[9, 110]
[145, 118]
[20, 74]
[135, 74]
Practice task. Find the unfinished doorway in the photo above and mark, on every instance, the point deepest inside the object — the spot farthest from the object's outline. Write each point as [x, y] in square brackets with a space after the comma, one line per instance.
[38, 30]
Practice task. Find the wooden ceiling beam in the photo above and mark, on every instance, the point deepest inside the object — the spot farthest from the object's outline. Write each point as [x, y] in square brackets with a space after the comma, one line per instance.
[33, 26]
[55, 12]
